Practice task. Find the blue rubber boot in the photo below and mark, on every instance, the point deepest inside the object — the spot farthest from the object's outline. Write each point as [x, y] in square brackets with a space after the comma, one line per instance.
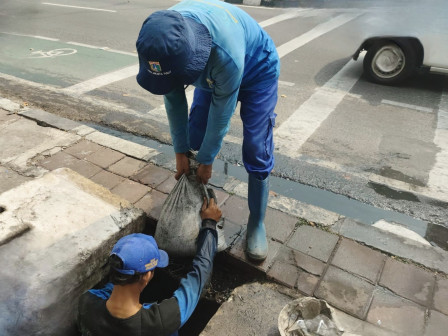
[257, 244]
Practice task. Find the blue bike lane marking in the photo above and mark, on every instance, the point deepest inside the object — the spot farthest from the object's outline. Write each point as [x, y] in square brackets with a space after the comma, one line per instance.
[55, 63]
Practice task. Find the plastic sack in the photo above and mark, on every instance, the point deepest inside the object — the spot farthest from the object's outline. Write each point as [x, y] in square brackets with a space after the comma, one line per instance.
[308, 316]
[180, 220]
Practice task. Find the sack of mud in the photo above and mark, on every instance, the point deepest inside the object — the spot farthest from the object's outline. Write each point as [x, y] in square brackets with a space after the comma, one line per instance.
[308, 316]
[180, 220]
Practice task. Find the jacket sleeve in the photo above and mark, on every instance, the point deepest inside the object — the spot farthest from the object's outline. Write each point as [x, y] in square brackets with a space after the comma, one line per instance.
[177, 111]
[191, 286]
[227, 82]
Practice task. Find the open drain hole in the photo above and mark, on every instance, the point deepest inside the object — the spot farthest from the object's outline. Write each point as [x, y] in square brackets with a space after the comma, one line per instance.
[226, 276]
[2, 209]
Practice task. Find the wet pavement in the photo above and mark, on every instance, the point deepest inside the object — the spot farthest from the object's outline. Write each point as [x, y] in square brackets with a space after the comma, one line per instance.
[385, 282]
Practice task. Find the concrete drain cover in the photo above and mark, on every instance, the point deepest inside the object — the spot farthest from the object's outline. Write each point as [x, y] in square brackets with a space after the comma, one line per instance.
[56, 233]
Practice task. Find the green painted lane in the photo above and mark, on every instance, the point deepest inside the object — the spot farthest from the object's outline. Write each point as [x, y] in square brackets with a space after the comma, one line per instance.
[56, 63]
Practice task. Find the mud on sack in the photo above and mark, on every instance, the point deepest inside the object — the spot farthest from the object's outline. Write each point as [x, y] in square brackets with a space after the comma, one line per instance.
[180, 220]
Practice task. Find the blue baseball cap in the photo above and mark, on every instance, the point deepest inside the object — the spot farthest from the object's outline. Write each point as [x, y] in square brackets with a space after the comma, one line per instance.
[139, 253]
[172, 50]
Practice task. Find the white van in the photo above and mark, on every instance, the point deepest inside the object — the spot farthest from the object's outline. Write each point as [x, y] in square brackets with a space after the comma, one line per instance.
[399, 41]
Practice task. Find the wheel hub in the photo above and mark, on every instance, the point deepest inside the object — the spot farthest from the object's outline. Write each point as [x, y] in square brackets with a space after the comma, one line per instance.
[388, 62]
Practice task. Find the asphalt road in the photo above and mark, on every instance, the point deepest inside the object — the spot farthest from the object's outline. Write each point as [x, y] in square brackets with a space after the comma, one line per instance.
[335, 130]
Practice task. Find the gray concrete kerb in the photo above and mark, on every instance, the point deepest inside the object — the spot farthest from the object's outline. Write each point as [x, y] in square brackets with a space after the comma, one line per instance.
[126, 147]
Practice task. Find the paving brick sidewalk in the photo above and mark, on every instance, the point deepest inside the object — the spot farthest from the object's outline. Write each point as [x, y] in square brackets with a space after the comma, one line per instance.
[373, 286]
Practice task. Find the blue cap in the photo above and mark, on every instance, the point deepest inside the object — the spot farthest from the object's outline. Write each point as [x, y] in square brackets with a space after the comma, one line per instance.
[139, 253]
[173, 51]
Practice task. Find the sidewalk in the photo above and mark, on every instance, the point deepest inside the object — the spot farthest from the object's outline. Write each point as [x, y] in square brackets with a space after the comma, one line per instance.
[385, 284]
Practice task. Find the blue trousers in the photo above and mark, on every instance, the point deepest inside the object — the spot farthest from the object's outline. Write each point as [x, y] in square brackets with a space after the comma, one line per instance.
[258, 117]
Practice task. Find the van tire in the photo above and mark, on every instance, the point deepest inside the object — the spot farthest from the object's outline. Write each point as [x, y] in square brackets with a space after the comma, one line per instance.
[389, 62]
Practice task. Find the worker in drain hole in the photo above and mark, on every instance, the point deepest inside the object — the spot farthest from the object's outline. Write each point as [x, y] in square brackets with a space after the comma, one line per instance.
[116, 308]
[225, 54]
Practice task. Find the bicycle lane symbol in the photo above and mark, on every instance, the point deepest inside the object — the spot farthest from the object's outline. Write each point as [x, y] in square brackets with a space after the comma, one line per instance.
[53, 53]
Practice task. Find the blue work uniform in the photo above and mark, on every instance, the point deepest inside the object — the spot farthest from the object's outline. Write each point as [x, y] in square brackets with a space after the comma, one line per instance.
[164, 318]
[243, 66]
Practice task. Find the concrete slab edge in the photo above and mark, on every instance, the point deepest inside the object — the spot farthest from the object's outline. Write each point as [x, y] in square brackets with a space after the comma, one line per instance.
[9, 105]
[48, 119]
[124, 146]
[431, 257]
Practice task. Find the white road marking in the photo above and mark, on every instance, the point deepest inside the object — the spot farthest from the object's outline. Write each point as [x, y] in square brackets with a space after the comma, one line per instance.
[34, 36]
[295, 131]
[102, 80]
[400, 230]
[53, 53]
[438, 176]
[314, 33]
[87, 45]
[79, 7]
[408, 106]
[283, 17]
[283, 83]
[45, 38]
[247, 6]
[103, 48]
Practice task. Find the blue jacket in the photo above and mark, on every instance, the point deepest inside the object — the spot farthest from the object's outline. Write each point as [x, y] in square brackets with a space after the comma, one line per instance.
[243, 57]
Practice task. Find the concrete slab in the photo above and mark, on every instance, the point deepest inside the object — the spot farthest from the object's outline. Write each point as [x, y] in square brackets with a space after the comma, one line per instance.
[83, 149]
[368, 263]
[152, 176]
[314, 242]
[408, 281]
[253, 309]
[61, 254]
[397, 314]
[10, 179]
[127, 166]
[9, 105]
[45, 118]
[345, 291]
[23, 139]
[440, 299]
[429, 256]
[6, 116]
[437, 324]
[123, 146]
[238, 251]
[355, 327]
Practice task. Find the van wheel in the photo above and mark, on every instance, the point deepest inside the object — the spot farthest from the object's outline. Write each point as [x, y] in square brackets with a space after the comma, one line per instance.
[388, 62]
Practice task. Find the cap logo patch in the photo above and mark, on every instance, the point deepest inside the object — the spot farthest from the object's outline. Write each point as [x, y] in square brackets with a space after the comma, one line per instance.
[155, 66]
[151, 264]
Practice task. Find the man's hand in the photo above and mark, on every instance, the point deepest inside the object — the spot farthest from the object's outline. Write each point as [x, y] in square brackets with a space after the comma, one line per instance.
[212, 211]
[204, 173]
[182, 165]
